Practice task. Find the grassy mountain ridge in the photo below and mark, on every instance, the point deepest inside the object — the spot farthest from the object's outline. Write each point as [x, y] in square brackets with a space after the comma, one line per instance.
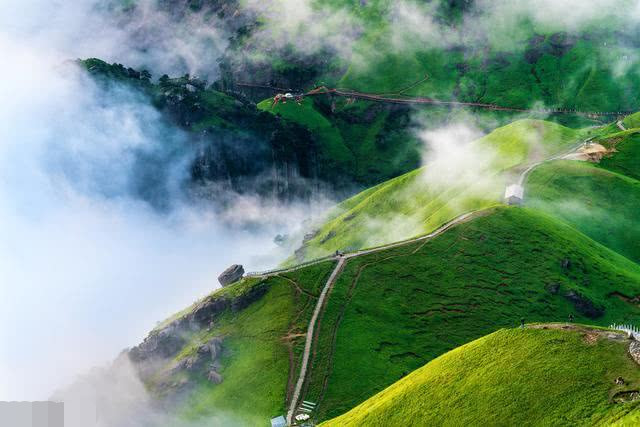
[258, 325]
[602, 204]
[571, 250]
[413, 204]
[393, 311]
[523, 377]
[387, 314]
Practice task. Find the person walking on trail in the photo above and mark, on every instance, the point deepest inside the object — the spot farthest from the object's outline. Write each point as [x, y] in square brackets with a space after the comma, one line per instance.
[571, 318]
[522, 323]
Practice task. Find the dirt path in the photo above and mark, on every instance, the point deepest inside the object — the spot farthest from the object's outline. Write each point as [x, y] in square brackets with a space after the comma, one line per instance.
[292, 335]
[562, 155]
[309, 339]
[342, 260]
[306, 367]
[402, 99]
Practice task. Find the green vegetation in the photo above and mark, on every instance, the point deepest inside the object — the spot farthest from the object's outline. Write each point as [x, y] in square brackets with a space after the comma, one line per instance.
[573, 250]
[511, 377]
[253, 343]
[368, 142]
[518, 63]
[632, 121]
[391, 312]
[602, 204]
[422, 200]
[262, 344]
[334, 155]
[626, 157]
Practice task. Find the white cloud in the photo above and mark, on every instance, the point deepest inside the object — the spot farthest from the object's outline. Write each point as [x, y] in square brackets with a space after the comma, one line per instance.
[86, 266]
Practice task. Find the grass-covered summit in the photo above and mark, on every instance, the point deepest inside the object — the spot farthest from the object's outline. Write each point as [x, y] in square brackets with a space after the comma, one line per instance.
[422, 200]
[601, 198]
[387, 314]
[531, 376]
[393, 311]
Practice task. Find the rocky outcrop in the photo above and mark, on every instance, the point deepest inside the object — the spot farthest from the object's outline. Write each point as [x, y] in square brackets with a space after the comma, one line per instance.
[163, 344]
[205, 360]
[231, 275]
[155, 358]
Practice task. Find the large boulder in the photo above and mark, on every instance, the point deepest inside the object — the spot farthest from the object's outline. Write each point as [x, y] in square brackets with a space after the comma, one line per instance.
[231, 275]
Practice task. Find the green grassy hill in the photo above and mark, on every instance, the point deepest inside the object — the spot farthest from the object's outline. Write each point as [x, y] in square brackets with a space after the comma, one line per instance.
[512, 377]
[489, 57]
[625, 159]
[393, 311]
[604, 205]
[517, 63]
[259, 323]
[388, 313]
[420, 201]
[600, 199]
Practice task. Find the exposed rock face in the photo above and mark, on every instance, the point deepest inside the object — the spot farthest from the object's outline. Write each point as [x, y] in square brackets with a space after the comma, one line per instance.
[231, 275]
[584, 305]
[163, 344]
[205, 359]
[154, 357]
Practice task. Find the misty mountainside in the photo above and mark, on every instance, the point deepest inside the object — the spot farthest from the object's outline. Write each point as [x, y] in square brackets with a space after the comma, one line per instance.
[238, 351]
[428, 175]
[598, 195]
[230, 144]
[463, 52]
[571, 371]
[452, 182]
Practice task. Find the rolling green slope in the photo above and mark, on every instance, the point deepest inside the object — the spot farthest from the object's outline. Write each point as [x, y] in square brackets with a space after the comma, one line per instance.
[511, 377]
[481, 57]
[334, 154]
[387, 314]
[626, 157]
[368, 142]
[603, 204]
[420, 201]
[391, 312]
[261, 339]
[516, 62]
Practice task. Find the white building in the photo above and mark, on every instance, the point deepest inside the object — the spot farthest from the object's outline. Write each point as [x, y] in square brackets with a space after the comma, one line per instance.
[514, 194]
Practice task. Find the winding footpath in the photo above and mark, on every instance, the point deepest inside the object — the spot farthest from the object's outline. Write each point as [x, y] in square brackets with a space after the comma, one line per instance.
[327, 287]
[341, 262]
[399, 98]
[562, 155]
[309, 339]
